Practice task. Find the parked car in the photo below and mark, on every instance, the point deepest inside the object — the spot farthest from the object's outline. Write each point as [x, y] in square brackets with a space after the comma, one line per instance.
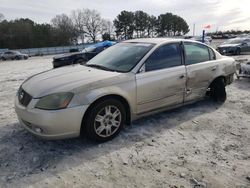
[199, 39]
[80, 57]
[129, 80]
[235, 46]
[11, 55]
[244, 70]
[223, 36]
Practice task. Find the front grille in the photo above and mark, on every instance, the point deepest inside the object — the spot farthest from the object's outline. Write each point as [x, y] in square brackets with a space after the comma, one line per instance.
[23, 97]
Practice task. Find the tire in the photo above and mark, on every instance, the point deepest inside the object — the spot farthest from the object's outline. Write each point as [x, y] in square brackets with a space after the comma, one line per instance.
[17, 58]
[218, 91]
[100, 124]
[3, 58]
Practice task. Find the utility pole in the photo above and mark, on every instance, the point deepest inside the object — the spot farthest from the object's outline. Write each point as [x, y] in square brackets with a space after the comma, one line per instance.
[203, 36]
[194, 30]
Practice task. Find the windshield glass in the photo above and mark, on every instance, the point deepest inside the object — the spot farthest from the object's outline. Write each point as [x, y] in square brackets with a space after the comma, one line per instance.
[121, 57]
[234, 41]
[89, 49]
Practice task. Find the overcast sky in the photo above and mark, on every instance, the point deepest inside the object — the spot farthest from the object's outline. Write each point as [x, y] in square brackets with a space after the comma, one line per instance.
[221, 14]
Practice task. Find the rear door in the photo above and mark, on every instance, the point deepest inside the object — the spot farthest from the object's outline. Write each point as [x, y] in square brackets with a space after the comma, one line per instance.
[162, 81]
[201, 66]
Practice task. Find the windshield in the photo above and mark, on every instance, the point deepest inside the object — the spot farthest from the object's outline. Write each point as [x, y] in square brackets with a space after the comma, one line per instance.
[234, 41]
[121, 57]
[89, 49]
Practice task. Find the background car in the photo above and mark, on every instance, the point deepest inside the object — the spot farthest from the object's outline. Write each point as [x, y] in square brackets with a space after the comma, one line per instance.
[13, 55]
[244, 70]
[235, 46]
[199, 39]
[80, 57]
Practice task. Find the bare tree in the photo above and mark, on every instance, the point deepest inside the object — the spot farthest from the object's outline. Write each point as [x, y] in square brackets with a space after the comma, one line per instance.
[79, 21]
[108, 27]
[93, 23]
[1, 17]
[65, 27]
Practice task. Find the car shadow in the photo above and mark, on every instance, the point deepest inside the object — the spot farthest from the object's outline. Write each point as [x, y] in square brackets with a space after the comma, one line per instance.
[23, 155]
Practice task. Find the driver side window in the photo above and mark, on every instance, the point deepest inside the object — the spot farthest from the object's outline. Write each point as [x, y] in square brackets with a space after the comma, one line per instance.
[164, 57]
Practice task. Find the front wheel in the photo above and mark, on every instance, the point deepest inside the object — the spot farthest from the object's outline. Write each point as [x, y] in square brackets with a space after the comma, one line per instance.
[218, 91]
[105, 120]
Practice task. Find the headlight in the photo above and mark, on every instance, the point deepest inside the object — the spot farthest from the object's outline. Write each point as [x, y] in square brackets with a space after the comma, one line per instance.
[54, 101]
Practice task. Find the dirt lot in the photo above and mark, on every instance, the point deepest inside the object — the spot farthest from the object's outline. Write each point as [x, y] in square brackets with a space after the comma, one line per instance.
[200, 145]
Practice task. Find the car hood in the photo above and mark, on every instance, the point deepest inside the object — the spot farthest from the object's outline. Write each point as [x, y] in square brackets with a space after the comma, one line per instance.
[228, 45]
[68, 78]
[67, 55]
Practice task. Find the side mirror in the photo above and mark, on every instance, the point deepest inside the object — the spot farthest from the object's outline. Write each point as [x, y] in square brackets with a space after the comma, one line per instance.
[142, 69]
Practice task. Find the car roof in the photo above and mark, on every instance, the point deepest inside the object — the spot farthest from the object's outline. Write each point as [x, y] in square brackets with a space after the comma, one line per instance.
[158, 40]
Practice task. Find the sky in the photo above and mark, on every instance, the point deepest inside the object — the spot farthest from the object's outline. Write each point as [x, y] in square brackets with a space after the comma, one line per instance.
[220, 14]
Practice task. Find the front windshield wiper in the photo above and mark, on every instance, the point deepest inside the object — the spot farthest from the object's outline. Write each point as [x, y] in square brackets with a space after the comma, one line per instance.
[99, 67]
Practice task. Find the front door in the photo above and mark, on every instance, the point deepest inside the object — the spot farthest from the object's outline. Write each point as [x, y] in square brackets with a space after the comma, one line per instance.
[162, 83]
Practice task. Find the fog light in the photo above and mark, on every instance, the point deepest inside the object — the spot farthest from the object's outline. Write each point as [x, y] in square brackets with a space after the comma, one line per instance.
[38, 130]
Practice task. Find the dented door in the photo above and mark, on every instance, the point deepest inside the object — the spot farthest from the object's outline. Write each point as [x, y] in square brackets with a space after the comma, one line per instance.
[200, 70]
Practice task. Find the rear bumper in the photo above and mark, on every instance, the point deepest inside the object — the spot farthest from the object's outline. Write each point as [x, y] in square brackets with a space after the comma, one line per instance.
[54, 124]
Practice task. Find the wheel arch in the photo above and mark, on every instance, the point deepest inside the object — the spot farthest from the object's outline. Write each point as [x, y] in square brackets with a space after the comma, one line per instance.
[208, 91]
[113, 96]
[217, 78]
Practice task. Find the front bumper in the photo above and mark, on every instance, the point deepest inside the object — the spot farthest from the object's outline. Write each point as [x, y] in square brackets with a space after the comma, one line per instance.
[53, 124]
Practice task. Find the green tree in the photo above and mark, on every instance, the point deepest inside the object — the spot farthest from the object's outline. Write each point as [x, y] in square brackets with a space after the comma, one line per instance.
[170, 25]
[141, 20]
[124, 24]
[106, 36]
[151, 26]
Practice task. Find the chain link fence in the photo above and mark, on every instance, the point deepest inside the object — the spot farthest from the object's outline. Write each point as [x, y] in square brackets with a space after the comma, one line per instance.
[50, 50]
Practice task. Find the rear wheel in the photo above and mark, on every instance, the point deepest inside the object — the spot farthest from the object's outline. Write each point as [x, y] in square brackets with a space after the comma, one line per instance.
[105, 120]
[218, 91]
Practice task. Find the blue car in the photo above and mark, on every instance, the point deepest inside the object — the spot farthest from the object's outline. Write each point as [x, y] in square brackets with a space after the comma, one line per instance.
[81, 57]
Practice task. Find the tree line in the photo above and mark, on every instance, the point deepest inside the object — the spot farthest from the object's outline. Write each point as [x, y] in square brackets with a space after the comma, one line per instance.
[140, 24]
[85, 25]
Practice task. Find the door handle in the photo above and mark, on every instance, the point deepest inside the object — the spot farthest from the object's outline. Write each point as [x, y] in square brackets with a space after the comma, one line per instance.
[214, 68]
[182, 76]
[188, 91]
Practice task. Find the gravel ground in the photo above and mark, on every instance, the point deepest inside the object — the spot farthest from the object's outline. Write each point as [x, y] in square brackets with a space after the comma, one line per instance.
[199, 145]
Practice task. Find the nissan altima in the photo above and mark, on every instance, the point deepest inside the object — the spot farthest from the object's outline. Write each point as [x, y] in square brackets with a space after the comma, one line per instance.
[127, 81]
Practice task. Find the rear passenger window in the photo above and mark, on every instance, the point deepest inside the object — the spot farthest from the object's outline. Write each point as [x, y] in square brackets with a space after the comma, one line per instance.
[196, 53]
[212, 54]
[164, 57]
